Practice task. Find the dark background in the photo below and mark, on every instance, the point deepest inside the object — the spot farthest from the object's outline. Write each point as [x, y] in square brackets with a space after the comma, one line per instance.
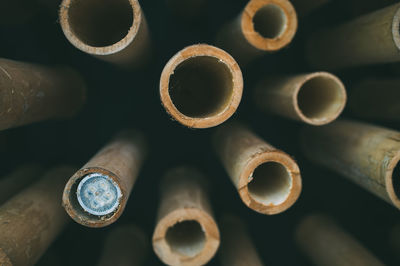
[119, 99]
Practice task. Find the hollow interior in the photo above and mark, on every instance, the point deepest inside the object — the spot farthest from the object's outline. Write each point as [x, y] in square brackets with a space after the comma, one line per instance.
[320, 98]
[201, 86]
[270, 184]
[396, 180]
[100, 23]
[186, 238]
[270, 21]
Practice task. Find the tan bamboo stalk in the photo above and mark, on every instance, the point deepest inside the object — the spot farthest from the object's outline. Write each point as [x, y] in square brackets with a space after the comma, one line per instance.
[237, 249]
[376, 98]
[30, 221]
[201, 86]
[268, 180]
[305, 7]
[367, 155]
[262, 26]
[112, 30]
[17, 180]
[370, 39]
[327, 244]
[96, 195]
[125, 245]
[314, 98]
[186, 232]
[31, 93]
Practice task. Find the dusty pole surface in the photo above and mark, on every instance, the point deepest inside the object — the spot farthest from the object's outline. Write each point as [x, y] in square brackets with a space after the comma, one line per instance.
[325, 243]
[125, 245]
[96, 195]
[370, 39]
[186, 232]
[268, 180]
[305, 7]
[31, 220]
[263, 26]
[237, 249]
[201, 86]
[31, 93]
[112, 30]
[367, 155]
[316, 98]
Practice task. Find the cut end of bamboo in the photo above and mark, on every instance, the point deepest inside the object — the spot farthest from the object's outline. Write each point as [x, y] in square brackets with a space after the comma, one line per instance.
[269, 25]
[201, 86]
[320, 98]
[392, 180]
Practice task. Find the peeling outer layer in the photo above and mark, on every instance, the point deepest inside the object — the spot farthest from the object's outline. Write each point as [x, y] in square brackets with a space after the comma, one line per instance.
[373, 38]
[30, 93]
[201, 86]
[314, 98]
[31, 220]
[120, 162]
[263, 26]
[112, 30]
[325, 243]
[268, 180]
[186, 232]
[367, 155]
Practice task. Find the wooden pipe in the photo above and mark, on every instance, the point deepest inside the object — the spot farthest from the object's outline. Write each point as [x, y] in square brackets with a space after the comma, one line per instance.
[326, 244]
[315, 98]
[112, 30]
[367, 155]
[31, 93]
[373, 38]
[268, 180]
[201, 86]
[31, 220]
[186, 232]
[96, 195]
[262, 26]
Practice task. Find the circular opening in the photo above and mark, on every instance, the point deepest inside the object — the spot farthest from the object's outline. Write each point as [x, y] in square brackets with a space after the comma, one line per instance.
[201, 86]
[396, 180]
[270, 21]
[100, 23]
[320, 98]
[186, 238]
[270, 183]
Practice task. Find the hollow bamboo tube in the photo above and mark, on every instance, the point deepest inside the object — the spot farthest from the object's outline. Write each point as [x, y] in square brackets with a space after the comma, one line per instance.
[367, 155]
[31, 93]
[17, 180]
[315, 98]
[263, 26]
[370, 39]
[96, 195]
[268, 180]
[305, 7]
[325, 243]
[376, 98]
[186, 232]
[112, 30]
[201, 86]
[31, 220]
[237, 249]
[125, 246]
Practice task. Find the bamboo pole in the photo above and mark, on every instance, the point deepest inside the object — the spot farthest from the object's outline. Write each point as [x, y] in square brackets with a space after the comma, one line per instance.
[30, 221]
[262, 26]
[112, 30]
[186, 232]
[201, 86]
[268, 180]
[237, 249]
[305, 7]
[314, 98]
[31, 93]
[96, 195]
[370, 39]
[124, 246]
[367, 155]
[325, 243]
